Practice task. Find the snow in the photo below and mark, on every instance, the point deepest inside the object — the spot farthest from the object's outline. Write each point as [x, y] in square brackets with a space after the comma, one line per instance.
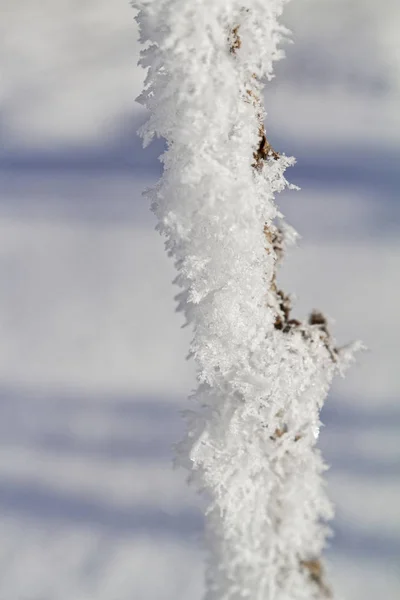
[85, 450]
[90, 400]
[69, 78]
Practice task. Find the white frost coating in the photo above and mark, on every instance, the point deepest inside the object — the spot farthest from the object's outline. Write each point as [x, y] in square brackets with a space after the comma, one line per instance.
[250, 444]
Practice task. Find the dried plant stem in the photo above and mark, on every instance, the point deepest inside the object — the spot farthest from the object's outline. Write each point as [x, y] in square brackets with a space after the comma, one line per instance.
[264, 153]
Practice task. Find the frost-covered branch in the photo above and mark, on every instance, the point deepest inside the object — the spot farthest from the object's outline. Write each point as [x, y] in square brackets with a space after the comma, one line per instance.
[262, 375]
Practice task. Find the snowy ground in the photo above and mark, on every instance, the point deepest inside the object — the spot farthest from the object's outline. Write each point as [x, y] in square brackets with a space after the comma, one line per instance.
[93, 375]
[92, 359]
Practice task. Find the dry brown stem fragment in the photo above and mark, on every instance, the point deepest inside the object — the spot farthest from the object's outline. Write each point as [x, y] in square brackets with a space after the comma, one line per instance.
[316, 573]
[284, 310]
[235, 41]
[278, 433]
[316, 318]
[264, 150]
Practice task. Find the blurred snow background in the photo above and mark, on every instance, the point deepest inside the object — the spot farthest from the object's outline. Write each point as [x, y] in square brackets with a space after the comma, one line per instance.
[92, 356]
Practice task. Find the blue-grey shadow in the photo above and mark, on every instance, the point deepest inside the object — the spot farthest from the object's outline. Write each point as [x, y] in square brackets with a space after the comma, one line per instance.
[41, 422]
[39, 419]
[41, 504]
[351, 541]
[338, 412]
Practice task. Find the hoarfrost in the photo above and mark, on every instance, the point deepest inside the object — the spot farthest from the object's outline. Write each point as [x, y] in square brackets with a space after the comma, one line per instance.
[262, 376]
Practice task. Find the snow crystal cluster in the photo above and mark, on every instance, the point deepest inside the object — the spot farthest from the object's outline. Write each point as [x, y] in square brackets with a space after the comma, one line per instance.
[250, 444]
